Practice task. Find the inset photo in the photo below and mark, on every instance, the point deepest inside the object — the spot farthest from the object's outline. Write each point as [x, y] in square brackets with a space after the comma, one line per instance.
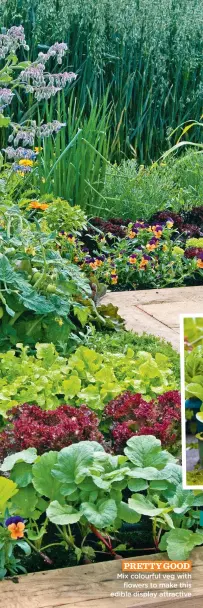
[192, 400]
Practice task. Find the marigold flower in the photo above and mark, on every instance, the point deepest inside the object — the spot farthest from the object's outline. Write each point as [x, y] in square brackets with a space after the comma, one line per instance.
[26, 162]
[38, 205]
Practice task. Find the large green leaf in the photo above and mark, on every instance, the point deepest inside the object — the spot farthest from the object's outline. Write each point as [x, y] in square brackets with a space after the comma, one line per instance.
[22, 474]
[179, 543]
[7, 275]
[127, 514]
[24, 502]
[182, 500]
[28, 455]
[43, 480]
[145, 451]
[62, 514]
[102, 514]
[7, 490]
[144, 506]
[74, 463]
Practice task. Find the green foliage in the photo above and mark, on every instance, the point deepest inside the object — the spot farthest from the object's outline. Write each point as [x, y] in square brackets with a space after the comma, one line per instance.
[83, 483]
[48, 379]
[138, 193]
[38, 287]
[195, 242]
[148, 52]
[62, 216]
[121, 341]
[73, 165]
[180, 543]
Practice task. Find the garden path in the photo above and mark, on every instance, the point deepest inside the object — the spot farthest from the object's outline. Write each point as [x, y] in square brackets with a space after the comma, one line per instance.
[91, 586]
[156, 311]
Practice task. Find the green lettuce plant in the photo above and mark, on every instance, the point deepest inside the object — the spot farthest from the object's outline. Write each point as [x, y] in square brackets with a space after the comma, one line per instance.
[49, 379]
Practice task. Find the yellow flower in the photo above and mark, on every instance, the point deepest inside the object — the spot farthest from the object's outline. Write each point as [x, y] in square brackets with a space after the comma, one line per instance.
[165, 248]
[37, 150]
[30, 250]
[169, 224]
[26, 162]
[131, 234]
[59, 321]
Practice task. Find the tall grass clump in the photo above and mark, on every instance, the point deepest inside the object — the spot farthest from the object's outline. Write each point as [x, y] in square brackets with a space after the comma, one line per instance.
[148, 52]
[73, 164]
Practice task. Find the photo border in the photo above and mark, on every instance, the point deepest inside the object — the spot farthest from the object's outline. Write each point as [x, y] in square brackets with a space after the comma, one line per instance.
[182, 385]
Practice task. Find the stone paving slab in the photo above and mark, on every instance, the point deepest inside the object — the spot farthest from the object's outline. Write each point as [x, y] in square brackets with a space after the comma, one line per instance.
[156, 311]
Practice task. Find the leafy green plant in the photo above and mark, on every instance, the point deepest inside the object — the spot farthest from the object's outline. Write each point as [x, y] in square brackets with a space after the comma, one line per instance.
[122, 340]
[81, 488]
[139, 192]
[87, 376]
[39, 288]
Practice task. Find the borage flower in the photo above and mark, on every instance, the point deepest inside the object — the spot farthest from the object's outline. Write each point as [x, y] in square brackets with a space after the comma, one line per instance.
[16, 526]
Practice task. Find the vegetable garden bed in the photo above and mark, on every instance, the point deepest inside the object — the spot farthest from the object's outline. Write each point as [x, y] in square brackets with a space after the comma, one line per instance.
[91, 586]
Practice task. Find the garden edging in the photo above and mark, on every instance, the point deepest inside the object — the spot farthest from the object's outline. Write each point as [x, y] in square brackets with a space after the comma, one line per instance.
[91, 586]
